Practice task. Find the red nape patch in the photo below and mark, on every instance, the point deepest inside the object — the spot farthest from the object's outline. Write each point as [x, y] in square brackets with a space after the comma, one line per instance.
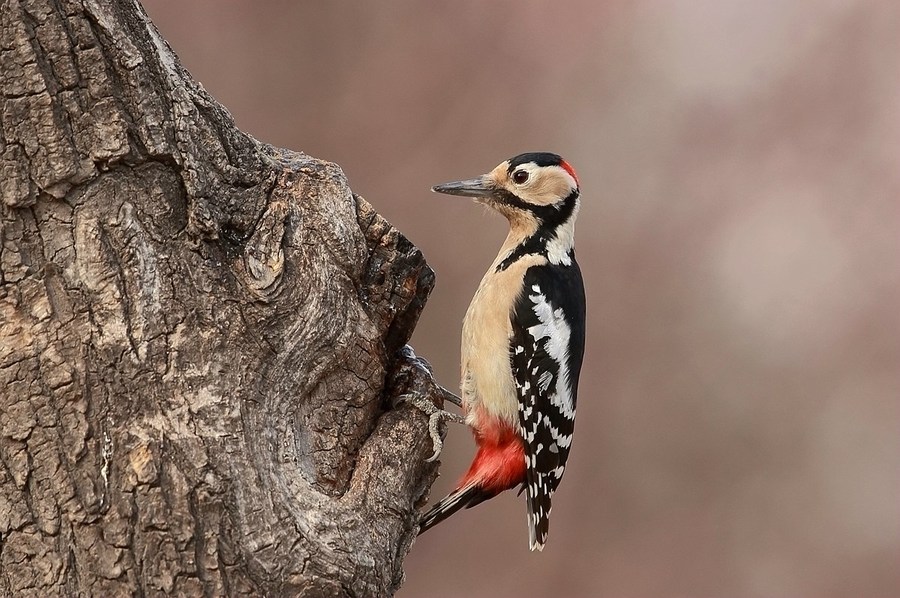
[570, 170]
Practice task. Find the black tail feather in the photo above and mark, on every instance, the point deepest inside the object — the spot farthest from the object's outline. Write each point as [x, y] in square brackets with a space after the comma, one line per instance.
[465, 497]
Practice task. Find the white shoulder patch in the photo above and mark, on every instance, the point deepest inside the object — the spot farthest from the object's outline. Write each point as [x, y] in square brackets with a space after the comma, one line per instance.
[554, 327]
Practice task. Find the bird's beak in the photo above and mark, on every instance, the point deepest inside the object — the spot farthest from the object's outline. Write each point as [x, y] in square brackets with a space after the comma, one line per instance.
[480, 187]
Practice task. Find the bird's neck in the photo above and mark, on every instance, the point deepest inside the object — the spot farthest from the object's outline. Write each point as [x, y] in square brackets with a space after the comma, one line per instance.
[560, 248]
[553, 237]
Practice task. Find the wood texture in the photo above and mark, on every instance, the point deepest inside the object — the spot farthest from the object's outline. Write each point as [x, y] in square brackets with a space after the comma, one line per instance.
[200, 337]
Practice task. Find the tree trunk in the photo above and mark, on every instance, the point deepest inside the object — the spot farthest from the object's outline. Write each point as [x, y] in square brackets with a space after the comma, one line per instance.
[200, 337]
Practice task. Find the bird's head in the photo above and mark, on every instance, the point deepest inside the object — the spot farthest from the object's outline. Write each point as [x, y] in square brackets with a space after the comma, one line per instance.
[529, 186]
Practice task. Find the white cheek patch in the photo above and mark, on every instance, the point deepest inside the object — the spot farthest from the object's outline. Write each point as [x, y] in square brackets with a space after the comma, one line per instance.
[571, 182]
[546, 185]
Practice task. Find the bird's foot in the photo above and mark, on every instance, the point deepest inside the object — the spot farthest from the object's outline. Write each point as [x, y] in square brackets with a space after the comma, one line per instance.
[420, 386]
[435, 414]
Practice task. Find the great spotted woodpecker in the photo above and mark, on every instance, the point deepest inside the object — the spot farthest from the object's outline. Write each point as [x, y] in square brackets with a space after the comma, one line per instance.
[522, 340]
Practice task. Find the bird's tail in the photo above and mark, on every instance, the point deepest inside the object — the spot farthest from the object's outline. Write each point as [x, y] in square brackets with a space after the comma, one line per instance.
[466, 496]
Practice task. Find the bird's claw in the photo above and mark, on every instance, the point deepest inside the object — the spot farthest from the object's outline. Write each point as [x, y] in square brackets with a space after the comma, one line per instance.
[417, 380]
[435, 415]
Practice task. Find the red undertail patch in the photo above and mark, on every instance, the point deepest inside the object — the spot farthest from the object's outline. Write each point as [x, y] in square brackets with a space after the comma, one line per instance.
[499, 463]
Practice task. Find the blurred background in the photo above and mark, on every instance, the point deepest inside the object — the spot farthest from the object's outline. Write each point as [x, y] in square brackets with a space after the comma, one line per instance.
[739, 412]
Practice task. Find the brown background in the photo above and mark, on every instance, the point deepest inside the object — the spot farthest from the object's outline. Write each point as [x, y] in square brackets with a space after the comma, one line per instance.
[739, 421]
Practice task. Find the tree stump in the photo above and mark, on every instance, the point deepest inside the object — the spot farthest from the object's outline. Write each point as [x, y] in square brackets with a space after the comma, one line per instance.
[200, 337]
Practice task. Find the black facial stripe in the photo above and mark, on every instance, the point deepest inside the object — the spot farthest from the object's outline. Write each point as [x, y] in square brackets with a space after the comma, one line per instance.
[549, 218]
[550, 215]
[539, 158]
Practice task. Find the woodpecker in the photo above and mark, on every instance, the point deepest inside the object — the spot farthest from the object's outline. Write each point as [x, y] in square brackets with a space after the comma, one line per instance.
[522, 340]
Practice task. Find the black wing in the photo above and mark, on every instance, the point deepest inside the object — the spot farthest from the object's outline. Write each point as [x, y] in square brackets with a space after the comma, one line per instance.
[546, 350]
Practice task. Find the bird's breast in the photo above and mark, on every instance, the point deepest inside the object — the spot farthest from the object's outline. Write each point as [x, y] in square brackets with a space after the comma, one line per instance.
[488, 389]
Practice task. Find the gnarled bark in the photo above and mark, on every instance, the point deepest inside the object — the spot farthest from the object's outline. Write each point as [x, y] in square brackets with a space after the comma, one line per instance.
[200, 337]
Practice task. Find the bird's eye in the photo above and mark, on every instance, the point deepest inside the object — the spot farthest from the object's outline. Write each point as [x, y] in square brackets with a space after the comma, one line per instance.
[520, 176]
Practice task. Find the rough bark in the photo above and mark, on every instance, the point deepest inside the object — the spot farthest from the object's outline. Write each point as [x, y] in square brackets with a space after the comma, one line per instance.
[200, 337]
